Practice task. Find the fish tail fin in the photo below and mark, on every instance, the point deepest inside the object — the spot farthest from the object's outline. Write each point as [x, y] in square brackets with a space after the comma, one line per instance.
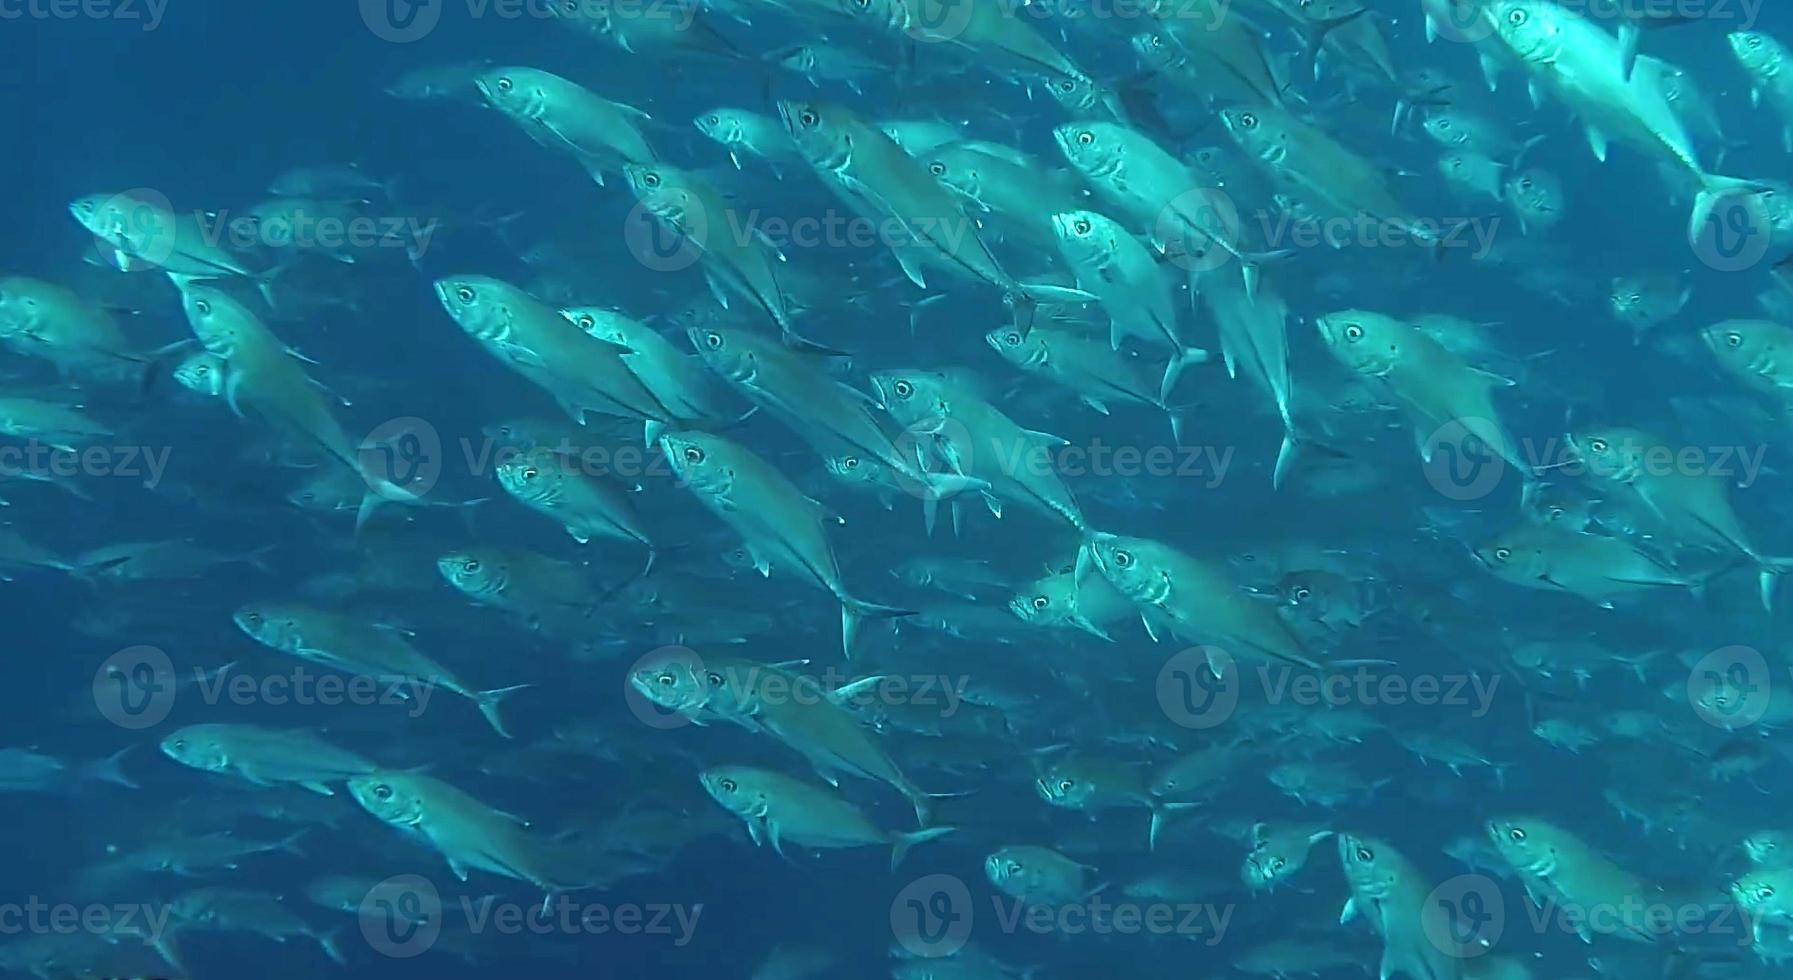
[1770, 570]
[900, 845]
[855, 611]
[1173, 369]
[1160, 815]
[111, 770]
[488, 702]
[1286, 454]
[1714, 190]
[331, 943]
[290, 843]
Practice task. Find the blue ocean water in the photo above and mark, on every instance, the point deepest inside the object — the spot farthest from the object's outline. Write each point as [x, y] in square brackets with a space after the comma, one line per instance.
[207, 106]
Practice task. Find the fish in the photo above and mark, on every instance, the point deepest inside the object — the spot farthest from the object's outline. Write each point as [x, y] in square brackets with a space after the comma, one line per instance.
[779, 524]
[582, 372]
[1390, 894]
[265, 756]
[1181, 594]
[556, 112]
[778, 808]
[1575, 59]
[1557, 866]
[1035, 875]
[368, 649]
[469, 834]
[979, 441]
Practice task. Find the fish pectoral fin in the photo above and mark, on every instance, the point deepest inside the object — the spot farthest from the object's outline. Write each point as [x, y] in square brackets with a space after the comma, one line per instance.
[518, 354]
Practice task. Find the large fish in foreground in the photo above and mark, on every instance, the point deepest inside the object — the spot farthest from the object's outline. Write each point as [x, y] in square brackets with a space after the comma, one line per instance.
[1584, 66]
[779, 525]
[1390, 893]
[1447, 401]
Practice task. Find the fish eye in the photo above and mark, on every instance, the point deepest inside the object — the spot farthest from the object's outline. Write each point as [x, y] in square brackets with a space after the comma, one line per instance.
[713, 340]
[1012, 338]
[1086, 137]
[714, 679]
[1516, 835]
[1598, 445]
[808, 117]
[1081, 226]
[383, 792]
[253, 617]
[1755, 42]
[1303, 594]
[851, 462]
[202, 307]
[693, 454]
[666, 679]
[586, 322]
[1067, 785]
[1123, 558]
[650, 179]
[470, 565]
[1248, 120]
[1012, 867]
[903, 389]
[1518, 18]
[1278, 864]
[1365, 854]
[1041, 602]
[203, 370]
[1733, 339]
[180, 743]
[1766, 891]
[729, 785]
[1502, 554]
[505, 85]
[1067, 86]
[937, 168]
[1353, 331]
[713, 120]
[465, 294]
[1526, 183]
[531, 473]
